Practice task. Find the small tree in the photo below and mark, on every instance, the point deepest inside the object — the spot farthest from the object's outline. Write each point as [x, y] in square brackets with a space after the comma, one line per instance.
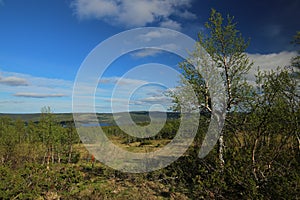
[47, 134]
[8, 140]
[226, 48]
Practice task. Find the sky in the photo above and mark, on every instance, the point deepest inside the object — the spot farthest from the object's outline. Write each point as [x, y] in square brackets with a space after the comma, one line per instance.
[43, 44]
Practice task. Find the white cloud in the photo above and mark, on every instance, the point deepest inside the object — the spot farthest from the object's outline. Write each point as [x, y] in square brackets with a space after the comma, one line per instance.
[23, 93]
[171, 24]
[37, 95]
[134, 13]
[163, 100]
[56, 93]
[267, 62]
[160, 35]
[157, 34]
[122, 81]
[130, 94]
[145, 53]
[95, 8]
[13, 81]
[37, 84]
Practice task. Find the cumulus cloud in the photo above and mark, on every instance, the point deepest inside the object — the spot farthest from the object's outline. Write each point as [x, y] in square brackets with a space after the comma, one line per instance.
[37, 95]
[157, 34]
[145, 53]
[267, 62]
[134, 13]
[95, 8]
[13, 81]
[171, 24]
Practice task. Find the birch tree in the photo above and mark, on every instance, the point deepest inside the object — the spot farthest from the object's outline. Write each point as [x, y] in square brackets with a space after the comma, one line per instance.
[226, 48]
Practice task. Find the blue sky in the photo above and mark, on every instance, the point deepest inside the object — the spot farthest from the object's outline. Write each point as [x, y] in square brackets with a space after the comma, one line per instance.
[43, 43]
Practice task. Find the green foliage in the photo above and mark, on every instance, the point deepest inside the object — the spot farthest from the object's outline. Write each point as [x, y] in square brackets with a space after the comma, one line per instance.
[226, 47]
[41, 160]
[296, 60]
[262, 127]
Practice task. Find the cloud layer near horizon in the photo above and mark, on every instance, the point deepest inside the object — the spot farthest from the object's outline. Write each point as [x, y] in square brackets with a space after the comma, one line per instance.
[13, 81]
[26, 93]
[37, 95]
